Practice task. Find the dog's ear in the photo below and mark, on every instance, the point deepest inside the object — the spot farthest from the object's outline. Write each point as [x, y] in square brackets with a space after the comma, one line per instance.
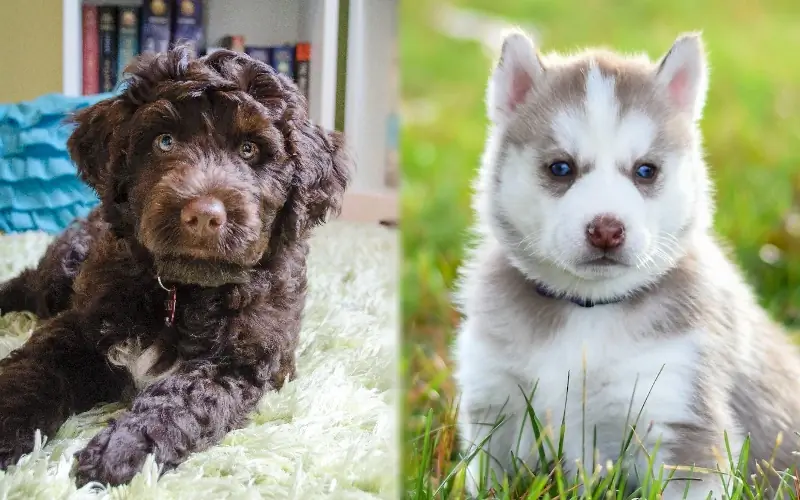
[95, 150]
[517, 72]
[323, 168]
[683, 73]
[91, 144]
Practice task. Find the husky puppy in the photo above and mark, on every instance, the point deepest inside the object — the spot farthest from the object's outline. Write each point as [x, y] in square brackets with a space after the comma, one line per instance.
[596, 264]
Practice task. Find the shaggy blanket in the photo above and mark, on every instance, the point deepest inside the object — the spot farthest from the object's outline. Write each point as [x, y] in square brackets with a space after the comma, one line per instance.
[328, 434]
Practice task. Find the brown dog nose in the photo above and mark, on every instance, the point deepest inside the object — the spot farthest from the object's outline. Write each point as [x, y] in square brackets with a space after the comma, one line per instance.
[204, 216]
[605, 232]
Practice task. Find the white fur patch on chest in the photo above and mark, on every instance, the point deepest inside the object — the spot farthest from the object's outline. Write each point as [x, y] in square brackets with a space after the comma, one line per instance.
[595, 372]
[143, 364]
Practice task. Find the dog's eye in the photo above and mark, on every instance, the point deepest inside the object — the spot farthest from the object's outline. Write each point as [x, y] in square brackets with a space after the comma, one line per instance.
[561, 169]
[645, 172]
[248, 150]
[165, 142]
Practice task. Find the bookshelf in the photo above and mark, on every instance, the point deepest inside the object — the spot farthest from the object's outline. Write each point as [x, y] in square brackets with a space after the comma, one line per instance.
[371, 76]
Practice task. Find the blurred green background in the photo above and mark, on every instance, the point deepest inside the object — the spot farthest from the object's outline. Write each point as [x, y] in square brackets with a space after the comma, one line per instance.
[751, 127]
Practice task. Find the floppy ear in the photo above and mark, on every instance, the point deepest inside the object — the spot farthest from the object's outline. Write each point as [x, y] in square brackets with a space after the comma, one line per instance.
[90, 144]
[94, 151]
[323, 168]
[683, 74]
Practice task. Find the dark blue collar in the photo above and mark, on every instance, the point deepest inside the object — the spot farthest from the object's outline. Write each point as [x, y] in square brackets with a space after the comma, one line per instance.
[544, 292]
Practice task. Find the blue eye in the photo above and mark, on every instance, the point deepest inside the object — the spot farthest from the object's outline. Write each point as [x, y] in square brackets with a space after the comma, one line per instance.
[560, 169]
[165, 142]
[645, 171]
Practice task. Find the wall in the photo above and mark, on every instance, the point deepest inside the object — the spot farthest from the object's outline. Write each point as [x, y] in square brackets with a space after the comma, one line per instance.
[30, 61]
[262, 22]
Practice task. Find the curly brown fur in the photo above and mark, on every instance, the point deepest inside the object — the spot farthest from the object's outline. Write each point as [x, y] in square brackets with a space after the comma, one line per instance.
[240, 279]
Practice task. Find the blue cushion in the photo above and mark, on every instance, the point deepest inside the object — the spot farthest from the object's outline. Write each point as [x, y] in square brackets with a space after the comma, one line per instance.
[39, 184]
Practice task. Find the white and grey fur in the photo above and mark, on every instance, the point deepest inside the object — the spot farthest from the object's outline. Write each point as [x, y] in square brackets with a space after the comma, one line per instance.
[144, 365]
[686, 310]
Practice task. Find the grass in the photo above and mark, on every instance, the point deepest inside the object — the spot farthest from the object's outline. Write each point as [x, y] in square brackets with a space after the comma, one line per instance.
[752, 139]
[553, 477]
[609, 480]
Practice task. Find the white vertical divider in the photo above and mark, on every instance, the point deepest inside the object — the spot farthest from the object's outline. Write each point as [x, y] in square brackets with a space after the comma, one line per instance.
[321, 28]
[71, 47]
[355, 88]
[370, 48]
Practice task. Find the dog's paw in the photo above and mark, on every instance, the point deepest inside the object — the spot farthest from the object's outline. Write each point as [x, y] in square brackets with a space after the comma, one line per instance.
[10, 453]
[15, 441]
[113, 456]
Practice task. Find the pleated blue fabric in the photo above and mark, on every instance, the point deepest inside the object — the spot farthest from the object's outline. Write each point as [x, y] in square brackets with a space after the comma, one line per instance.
[39, 184]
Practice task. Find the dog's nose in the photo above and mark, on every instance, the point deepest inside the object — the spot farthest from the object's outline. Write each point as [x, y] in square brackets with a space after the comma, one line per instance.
[605, 232]
[204, 216]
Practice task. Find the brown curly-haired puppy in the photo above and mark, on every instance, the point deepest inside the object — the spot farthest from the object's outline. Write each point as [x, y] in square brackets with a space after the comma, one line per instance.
[185, 288]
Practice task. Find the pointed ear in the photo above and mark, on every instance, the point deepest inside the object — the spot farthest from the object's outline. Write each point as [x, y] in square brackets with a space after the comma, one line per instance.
[683, 74]
[517, 71]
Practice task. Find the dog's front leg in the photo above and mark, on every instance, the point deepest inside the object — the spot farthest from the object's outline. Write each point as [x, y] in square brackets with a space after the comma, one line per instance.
[173, 417]
[56, 373]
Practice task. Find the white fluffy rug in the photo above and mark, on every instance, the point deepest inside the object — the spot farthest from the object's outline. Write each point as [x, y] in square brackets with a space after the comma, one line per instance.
[328, 434]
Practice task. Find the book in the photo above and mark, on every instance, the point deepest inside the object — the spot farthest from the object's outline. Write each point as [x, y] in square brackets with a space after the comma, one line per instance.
[302, 67]
[282, 59]
[107, 16]
[91, 50]
[188, 25]
[156, 27]
[128, 38]
[258, 53]
[233, 42]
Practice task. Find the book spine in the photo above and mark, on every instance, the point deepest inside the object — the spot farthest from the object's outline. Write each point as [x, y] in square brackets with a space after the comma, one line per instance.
[283, 60]
[233, 42]
[91, 49]
[302, 67]
[156, 25]
[258, 53]
[108, 47]
[128, 38]
[188, 26]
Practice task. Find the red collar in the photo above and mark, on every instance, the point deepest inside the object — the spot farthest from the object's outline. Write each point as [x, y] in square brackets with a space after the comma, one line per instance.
[169, 304]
